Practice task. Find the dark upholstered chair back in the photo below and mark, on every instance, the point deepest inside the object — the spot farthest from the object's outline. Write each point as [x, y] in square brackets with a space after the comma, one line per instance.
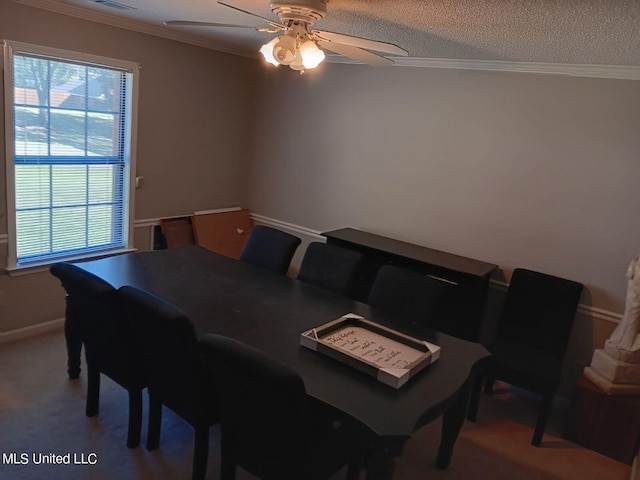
[92, 301]
[176, 375]
[531, 339]
[76, 280]
[411, 296]
[266, 425]
[330, 267]
[539, 311]
[270, 248]
[94, 311]
[169, 351]
[264, 422]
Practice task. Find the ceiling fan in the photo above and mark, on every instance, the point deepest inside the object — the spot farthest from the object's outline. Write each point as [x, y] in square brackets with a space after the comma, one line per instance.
[297, 45]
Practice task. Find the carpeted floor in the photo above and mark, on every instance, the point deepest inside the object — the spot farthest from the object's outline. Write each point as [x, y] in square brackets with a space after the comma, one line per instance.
[42, 413]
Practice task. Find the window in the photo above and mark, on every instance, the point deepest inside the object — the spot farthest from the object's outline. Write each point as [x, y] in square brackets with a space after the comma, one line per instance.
[70, 131]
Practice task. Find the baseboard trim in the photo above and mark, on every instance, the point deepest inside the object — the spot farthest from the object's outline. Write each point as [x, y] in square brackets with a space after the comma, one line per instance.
[31, 331]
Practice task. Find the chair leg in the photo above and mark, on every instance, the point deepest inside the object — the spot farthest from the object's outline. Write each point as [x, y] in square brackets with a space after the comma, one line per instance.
[155, 423]
[200, 452]
[73, 339]
[93, 391]
[135, 418]
[474, 397]
[488, 384]
[543, 416]
[227, 469]
[354, 467]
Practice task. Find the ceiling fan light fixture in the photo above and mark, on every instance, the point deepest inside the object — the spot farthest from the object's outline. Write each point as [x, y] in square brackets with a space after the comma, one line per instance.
[298, 46]
[309, 11]
[311, 55]
[297, 62]
[285, 50]
[267, 52]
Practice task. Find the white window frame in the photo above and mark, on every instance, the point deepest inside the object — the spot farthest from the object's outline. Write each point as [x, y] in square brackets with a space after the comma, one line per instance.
[12, 48]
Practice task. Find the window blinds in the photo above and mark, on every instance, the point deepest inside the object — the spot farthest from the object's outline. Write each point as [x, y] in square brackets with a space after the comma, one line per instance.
[70, 164]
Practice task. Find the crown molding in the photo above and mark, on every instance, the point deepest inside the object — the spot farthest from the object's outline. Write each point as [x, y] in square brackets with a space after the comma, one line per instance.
[620, 72]
[134, 25]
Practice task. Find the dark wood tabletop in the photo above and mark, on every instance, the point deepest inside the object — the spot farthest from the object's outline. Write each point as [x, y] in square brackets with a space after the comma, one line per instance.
[268, 311]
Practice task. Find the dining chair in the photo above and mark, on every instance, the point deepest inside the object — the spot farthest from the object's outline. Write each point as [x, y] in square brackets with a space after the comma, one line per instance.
[635, 466]
[531, 339]
[92, 306]
[270, 248]
[330, 267]
[268, 424]
[176, 376]
[410, 296]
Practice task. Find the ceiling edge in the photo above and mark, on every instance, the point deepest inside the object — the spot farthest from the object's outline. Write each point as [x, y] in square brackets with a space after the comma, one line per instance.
[141, 27]
[621, 72]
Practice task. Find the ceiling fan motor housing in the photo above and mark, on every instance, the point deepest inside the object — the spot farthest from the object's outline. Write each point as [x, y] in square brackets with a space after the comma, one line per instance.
[309, 11]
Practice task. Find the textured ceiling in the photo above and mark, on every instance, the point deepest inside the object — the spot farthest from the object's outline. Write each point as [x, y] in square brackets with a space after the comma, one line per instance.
[595, 32]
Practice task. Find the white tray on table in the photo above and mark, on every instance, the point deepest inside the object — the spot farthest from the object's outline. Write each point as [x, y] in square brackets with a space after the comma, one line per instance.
[390, 356]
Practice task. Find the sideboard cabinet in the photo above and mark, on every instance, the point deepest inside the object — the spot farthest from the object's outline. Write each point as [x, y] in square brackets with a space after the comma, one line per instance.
[467, 280]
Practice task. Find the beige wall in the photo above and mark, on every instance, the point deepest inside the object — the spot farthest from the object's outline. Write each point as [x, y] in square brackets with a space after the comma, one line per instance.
[525, 170]
[530, 170]
[192, 150]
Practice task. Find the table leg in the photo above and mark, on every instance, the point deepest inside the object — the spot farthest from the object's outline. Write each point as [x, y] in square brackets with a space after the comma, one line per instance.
[74, 341]
[380, 461]
[452, 421]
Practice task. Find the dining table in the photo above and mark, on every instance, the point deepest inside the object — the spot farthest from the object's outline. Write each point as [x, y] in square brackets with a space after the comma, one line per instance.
[269, 311]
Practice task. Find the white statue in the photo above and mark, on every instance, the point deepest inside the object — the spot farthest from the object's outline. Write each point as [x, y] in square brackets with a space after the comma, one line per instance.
[624, 344]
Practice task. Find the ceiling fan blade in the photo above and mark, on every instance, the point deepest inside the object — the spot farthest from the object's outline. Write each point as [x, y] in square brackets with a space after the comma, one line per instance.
[359, 42]
[356, 53]
[269, 21]
[188, 23]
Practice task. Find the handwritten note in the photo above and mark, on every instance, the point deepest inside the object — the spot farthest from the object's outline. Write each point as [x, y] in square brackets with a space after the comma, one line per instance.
[372, 347]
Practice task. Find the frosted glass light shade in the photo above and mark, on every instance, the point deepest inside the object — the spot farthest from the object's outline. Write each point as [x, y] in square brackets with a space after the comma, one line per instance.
[267, 52]
[297, 62]
[311, 55]
[284, 50]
